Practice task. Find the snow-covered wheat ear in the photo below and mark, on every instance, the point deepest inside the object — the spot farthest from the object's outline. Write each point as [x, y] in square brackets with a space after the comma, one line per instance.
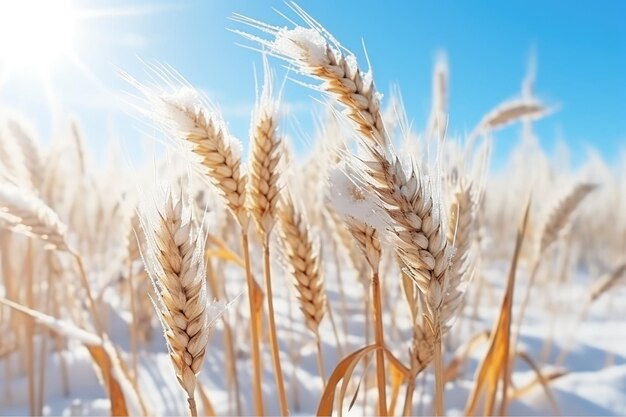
[175, 263]
[198, 128]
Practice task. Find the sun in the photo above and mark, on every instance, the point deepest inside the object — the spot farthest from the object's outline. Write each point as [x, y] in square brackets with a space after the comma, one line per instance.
[35, 34]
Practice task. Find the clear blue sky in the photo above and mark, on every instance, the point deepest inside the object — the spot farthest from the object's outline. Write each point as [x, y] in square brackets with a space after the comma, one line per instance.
[580, 49]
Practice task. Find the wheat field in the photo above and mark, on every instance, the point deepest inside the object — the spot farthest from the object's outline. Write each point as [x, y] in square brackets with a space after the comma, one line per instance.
[385, 270]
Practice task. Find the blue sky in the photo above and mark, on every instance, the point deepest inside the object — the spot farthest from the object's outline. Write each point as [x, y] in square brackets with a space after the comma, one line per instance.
[580, 49]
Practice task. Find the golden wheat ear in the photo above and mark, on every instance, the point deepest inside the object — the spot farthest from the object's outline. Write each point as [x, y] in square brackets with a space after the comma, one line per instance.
[265, 156]
[174, 259]
[195, 125]
[303, 261]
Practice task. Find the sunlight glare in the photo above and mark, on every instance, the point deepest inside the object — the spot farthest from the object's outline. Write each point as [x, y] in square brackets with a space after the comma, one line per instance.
[35, 33]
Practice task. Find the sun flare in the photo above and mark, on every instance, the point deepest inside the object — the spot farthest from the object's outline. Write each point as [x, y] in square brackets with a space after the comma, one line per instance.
[35, 34]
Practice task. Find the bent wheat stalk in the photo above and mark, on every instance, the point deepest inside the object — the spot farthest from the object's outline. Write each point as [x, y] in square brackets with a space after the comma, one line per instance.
[559, 217]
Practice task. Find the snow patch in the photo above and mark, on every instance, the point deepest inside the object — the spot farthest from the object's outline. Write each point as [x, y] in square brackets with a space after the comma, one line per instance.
[304, 44]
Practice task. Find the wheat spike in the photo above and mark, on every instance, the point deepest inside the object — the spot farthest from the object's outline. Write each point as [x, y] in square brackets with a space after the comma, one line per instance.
[197, 127]
[511, 111]
[438, 120]
[421, 351]
[309, 50]
[25, 213]
[561, 213]
[265, 155]
[11, 168]
[461, 236]
[175, 263]
[367, 240]
[303, 262]
[31, 156]
[343, 237]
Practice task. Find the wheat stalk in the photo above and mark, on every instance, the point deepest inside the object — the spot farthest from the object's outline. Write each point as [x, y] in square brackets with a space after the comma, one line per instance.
[421, 353]
[262, 199]
[367, 240]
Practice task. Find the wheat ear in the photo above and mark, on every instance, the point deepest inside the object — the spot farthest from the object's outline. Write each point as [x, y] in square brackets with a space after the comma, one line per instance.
[175, 263]
[461, 229]
[607, 282]
[438, 120]
[33, 161]
[558, 218]
[303, 261]
[509, 112]
[197, 126]
[310, 52]
[265, 155]
[561, 214]
[25, 213]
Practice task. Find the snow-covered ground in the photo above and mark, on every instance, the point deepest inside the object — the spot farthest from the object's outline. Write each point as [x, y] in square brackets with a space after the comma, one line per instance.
[595, 383]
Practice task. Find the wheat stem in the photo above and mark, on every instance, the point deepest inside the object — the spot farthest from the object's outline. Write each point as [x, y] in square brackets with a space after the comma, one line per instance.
[380, 341]
[257, 381]
[133, 325]
[320, 359]
[192, 407]
[407, 410]
[92, 304]
[280, 383]
[439, 371]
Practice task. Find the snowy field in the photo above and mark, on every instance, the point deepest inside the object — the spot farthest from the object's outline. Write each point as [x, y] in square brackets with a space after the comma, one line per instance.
[593, 383]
